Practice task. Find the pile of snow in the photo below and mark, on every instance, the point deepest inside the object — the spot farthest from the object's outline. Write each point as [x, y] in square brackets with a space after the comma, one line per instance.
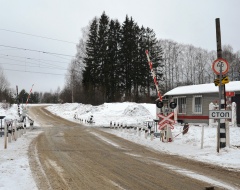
[136, 110]
[126, 113]
[10, 112]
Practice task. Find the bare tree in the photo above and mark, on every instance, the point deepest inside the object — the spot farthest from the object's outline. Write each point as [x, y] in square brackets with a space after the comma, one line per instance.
[73, 78]
[3, 85]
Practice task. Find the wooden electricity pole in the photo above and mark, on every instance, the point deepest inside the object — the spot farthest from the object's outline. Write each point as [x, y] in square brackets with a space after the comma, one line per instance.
[221, 132]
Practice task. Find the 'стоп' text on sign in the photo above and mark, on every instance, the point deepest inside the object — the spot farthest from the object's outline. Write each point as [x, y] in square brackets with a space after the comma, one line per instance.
[221, 114]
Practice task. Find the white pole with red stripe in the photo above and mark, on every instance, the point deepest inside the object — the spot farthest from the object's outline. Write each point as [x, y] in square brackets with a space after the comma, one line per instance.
[154, 76]
[29, 94]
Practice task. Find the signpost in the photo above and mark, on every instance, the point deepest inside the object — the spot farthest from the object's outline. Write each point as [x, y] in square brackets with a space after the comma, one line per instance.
[220, 67]
[166, 120]
[230, 94]
[218, 64]
[221, 114]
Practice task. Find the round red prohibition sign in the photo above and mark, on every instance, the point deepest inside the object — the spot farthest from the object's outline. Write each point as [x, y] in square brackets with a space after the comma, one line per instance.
[218, 63]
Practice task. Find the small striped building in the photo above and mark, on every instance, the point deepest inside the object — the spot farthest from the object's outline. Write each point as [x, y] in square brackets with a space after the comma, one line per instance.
[193, 100]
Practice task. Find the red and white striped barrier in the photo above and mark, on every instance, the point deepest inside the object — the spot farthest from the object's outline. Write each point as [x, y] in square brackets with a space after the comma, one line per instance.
[154, 76]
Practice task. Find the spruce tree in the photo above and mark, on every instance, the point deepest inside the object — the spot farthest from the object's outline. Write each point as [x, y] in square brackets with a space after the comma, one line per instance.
[141, 79]
[128, 55]
[113, 59]
[90, 77]
[103, 56]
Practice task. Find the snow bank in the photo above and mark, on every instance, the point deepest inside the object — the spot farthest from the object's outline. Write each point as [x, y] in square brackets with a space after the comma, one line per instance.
[127, 113]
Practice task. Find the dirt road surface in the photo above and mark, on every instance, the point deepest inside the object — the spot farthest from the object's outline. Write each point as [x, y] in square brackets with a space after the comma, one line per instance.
[68, 155]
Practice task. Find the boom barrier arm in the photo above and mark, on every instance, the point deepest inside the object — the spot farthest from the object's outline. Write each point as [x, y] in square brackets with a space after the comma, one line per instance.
[154, 76]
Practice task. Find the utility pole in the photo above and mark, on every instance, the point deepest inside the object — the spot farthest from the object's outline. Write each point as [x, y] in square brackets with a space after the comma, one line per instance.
[18, 102]
[221, 132]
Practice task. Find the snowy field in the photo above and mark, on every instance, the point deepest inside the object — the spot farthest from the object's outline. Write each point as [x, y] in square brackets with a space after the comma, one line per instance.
[14, 165]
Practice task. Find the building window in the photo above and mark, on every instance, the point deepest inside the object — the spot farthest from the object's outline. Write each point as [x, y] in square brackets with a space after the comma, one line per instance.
[197, 104]
[182, 105]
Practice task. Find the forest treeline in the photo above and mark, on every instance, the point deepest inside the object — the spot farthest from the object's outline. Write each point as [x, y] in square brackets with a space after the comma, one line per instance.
[111, 65]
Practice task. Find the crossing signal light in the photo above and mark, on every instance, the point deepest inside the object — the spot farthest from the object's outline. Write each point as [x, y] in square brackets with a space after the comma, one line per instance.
[159, 104]
[173, 105]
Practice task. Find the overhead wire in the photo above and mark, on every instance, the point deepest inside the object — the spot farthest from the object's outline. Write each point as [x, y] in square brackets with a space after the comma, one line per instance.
[46, 52]
[58, 55]
[37, 36]
[44, 61]
[42, 67]
[32, 58]
[39, 62]
[35, 72]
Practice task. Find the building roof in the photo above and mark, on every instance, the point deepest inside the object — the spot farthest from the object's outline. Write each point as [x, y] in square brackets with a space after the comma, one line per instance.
[203, 89]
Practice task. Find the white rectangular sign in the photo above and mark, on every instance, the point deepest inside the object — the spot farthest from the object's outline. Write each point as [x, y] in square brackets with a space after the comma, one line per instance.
[220, 114]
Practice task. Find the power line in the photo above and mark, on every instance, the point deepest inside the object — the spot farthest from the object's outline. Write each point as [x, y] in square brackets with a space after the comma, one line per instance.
[46, 52]
[35, 72]
[40, 62]
[37, 36]
[33, 58]
[41, 67]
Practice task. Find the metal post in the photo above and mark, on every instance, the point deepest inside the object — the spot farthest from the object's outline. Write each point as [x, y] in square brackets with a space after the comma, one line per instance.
[221, 132]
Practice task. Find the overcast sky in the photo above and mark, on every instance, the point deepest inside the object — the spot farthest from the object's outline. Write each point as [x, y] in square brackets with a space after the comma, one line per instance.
[184, 21]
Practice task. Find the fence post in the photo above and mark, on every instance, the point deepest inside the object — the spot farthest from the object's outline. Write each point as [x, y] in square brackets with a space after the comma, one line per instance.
[211, 121]
[9, 131]
[234, 114]
[227, 134]
[175, 114]
[139, 131]
[24, 126]
[146, 132]
[152, 132]
[5, 136]
[202, 136]
[14, 130]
